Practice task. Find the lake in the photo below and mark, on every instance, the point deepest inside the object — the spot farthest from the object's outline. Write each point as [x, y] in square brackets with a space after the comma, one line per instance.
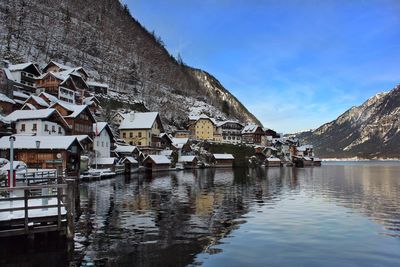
[340, 214]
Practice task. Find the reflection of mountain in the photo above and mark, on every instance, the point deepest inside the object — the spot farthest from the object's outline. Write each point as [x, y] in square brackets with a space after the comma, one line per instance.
[167, 218]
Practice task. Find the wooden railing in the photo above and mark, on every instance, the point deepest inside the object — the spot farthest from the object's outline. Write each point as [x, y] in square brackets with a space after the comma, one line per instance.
[44, 217]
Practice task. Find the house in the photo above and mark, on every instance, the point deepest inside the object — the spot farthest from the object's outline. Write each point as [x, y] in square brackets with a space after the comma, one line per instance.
[272, 162]
[103, 139]
[118, 118]
[127, 150]
[19, 98]
[203, 128]
[105, 163]
[182, 145]
[5, 126]
[48, 98]
[93, 103]
[165, 140]
[18, 77]
[39, 122]
[46, 152]
[231, 131]
[270, 151]
[182, 134]
[142, 130]
[35, 102]
[252, 134]
[131, 165]
[6, 104]
[157, 163]
[54, 66]
[85, 141]
[78, 117]
[189, 162]
[97, 88]
[223, 160]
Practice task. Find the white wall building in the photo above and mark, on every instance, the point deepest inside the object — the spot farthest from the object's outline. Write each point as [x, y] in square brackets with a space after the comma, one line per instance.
[103, 139]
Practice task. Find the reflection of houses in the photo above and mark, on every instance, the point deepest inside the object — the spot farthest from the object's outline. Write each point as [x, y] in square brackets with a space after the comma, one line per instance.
[156, 163]
[103, 139]
[53, 152]
[39, 122]
[231, 131]
[272, 162]
[142, 130]
[252, 134]
[223, 160]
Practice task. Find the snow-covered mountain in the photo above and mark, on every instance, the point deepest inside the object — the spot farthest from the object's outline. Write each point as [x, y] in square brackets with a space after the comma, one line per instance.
[371, 130]
[103, 37]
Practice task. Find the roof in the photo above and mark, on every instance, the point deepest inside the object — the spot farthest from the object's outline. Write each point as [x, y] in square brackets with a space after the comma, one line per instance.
[251, 128]
[20, 94]
[159, 159]
[61, 66]
[179, 142]
[16, 164]
[130, 160]
[187, 158]
[202, 116]
[125, 149]
[38, 100]
[166, 152]
[97, 84]
[22, 66]
[101, 125]
[220, 123]
[29, 105]
[50, 97]
[223, 156]
[83, 137]
[4, 98]
[46, 142]
[31, 114]
[75, 109]
[139, 120]
[105, 161]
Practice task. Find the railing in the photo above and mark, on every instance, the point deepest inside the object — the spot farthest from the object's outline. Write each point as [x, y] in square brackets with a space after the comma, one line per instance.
[45, 208]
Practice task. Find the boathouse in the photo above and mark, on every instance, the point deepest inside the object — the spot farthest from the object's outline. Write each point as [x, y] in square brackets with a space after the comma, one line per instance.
[156, 163]
[223, 160]
[189, 162]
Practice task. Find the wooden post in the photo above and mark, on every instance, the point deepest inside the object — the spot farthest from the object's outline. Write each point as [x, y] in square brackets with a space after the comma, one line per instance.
[26, 206]
[70, 207]
[58, 209]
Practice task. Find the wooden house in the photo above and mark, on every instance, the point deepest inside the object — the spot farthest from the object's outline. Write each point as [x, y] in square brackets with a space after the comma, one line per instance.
[6, 104]
[223, 160]
[189, 162]
[35, 102]
[231, 131]
[46, 152]
[97, 87]
[78, 117]
[18, 77]
[131, 165]
[252, 134]
[165, 141]
[156, 163]
[5, 127]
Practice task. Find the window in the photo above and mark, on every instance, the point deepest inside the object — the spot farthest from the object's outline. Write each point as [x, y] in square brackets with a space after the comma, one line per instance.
[139, 143]
[34, 127]
[130, 135]
[59, 130]
[102, 143]
[123, 135]
[98, 143]
[53, 129]
[140, 134]
[23, 127]
[131, 143]
[46, 127]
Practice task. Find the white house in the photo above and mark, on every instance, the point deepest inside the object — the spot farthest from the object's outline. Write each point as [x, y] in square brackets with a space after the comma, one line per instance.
[39, 122]
[103, 139]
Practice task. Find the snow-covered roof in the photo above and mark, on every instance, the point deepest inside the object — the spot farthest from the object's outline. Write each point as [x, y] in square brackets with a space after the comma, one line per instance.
[75, 109]
[105, 161]
[4, 120]
[221, 123]
[187, 158]
[251, 128]
[29, 106]
[223, 156]
[202, 116]
[17, 67]
[31, 114]
[304, 147]
[125, 149]
[83, 137]
[20, 94]
[139, 120]
[167, 153]
[16, 164]
[272, 159]
[179, 142]
[4, 98]
[38, 100]
[46, 142]
[159, 159]
[50, 97]
[270, 147]
[97, 84]
[130, 160]
[99, 126]
[61, 66]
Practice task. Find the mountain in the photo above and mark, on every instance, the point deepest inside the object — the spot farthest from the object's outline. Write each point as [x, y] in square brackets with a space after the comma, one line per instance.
[103, 37]
[371, 130]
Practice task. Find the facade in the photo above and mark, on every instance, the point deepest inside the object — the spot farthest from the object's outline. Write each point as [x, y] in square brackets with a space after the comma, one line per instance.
[156, 163]
[103, 139]
[118, 118]
[223, 160]
[6, 104]
[18, 77]
[54, 152]
[189, 162]
[97, 88]
[182, 134]
[142, 129]
[252, 134]
[202, 128]
[231, 131]
[39, 122]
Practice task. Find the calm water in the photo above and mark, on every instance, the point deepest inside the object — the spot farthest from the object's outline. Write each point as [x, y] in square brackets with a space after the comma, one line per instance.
[340, 214]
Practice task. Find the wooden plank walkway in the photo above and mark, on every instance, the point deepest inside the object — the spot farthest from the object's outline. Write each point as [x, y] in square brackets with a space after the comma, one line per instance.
[27, 210]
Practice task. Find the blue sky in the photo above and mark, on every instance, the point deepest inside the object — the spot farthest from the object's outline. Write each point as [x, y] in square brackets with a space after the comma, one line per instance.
[294, 64]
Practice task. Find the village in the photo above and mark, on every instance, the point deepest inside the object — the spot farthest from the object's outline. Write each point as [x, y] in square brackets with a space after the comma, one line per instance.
[53, 135]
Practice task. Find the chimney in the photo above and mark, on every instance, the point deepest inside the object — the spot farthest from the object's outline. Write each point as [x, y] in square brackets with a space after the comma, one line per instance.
[132, 116]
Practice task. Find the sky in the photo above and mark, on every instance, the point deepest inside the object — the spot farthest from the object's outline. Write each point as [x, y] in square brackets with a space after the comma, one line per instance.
[294, 64]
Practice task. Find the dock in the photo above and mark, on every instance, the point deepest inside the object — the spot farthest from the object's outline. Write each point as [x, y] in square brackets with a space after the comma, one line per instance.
[27, 210]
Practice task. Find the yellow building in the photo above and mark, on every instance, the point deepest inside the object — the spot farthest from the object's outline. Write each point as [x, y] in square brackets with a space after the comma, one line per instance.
[203, 128]
[141, 129]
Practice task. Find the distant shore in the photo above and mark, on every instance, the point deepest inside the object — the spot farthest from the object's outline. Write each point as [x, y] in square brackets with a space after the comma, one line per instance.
[360, 159]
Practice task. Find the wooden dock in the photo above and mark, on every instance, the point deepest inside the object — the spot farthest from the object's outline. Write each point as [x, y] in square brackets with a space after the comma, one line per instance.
[27, 210]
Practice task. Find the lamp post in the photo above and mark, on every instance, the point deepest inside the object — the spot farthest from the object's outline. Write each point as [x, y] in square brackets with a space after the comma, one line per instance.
[37, 154]
[12, 139]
